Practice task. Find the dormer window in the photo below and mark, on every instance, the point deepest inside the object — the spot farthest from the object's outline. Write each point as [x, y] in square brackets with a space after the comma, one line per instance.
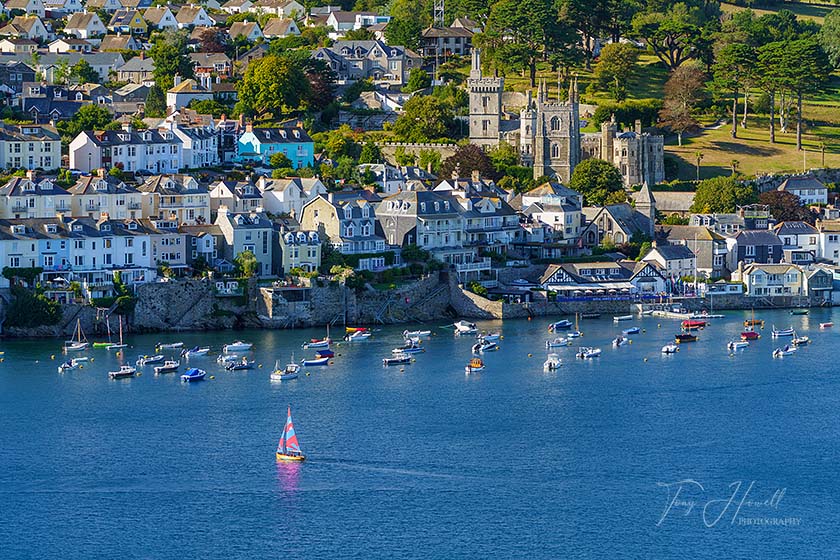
[422, 206]
[77, 227]
[79, 96]
[51, 228]
[106, 227]
[29, 186]
[348, 213]
[132, 225]
[365, 212]
[17, 229]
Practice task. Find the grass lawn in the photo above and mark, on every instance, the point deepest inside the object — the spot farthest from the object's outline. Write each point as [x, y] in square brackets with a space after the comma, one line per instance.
[752, 150]
[803, 10]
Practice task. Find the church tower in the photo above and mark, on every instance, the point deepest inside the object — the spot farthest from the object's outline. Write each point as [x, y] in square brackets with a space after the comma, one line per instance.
[557, 135]
[485, 105]
[646, 205]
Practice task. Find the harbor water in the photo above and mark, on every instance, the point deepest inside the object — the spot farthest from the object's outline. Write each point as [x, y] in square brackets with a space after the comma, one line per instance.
[635, 454]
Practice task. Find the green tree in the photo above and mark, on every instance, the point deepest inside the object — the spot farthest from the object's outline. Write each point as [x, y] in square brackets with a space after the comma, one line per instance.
[615, 68]
[503, 157]
[424, 118]
[171, 56]
[830, 37]
[417, 79]
[155, 102]
[88, 117]
[279, 160]
[597, 180]
[210, 107]
[361, 34]
[521, 33]
[722, 195]
[116, 173]
[429, 160]
[734, 70]
[272, 85]
[83, 73]
[672, 32]
[786, 207]
[245, 264]
[808, 70]
[408, 18]
[370, 153]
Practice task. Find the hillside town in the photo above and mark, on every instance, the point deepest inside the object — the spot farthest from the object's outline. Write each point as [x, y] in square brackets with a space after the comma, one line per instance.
[148, 142]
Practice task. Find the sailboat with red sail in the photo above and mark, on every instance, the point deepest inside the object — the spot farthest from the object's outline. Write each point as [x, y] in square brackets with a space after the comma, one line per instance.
[288, 448]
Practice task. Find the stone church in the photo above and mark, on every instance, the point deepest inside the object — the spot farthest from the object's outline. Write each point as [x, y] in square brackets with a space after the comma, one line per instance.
[547, 133]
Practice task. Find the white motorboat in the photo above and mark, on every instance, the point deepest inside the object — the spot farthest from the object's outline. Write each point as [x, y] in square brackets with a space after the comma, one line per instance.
[464, 328]
[123, 372]
[778, 333]
[225, 359]
[563, 325]
[195, 352]
[169, 345]
[484, 346]
[618, 318]
[491, 337]
[670, 348]
[237, 346]
[357, 336]
[586, 353]
[410, 347]
[620, 341]
[552, 362]
[397, 359]
[416, 334]
[148, 360]
[784, 351]
[558, 342]
[169, 366]
[737, 345]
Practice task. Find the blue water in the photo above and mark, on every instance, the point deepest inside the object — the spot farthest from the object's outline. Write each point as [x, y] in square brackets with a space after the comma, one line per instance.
[428, 462]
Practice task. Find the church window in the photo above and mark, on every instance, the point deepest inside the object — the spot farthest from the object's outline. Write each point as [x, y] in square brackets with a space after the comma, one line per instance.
[555, 151]
[485, 103]
[555, 123]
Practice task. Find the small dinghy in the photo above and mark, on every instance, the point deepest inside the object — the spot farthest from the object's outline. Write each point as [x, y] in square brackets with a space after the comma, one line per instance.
[397, 360]
[563, 325]
[631, 330]
[800, 340]
[239, 365]
[826, 325]
[316, 362]
[587, 353]
[195, 352]
[168, 345]
[618, 318]
[558, 342]
[148, 360]
[237, 346]
[620, 341]
[736, 345]
[778, 333]
[416, 334]
[475, 365]
[785, 351]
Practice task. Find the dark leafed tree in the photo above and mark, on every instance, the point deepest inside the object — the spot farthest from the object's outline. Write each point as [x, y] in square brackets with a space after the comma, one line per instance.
[597, 180]
[615, 68]
[673, 33]
[683, 91]
[465, 160]
[786, 207]
[734, 70]
[155, 102]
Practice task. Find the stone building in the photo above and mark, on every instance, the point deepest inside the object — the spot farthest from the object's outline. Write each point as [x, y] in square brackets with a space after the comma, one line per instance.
[639, 156]
[485, 105]
[550, 133]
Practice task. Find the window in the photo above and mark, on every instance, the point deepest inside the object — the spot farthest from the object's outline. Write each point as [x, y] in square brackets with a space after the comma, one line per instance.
[749, 250]
[14, 262]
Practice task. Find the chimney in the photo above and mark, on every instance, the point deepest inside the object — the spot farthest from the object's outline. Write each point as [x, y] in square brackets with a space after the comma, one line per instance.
[638, 126]
[30, 174]
[100, 172]
[249, 127]
[241, 120]
[142, 55]
[176, 80]
[476, 176]
[126, 126]
[222, 119]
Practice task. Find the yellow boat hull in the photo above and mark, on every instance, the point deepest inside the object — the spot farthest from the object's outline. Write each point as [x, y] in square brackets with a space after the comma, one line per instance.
[296, 458]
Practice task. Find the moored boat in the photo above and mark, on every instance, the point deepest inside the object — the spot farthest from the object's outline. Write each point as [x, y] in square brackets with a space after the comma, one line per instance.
[193, 374]
[750, 335]
[784, 351]
[168, 345]
[288, 448]
[733, 345]
[618, 318]
[195, 352]
[357, 336]
[123, 372]
[314, 343]
[237, 346]
[79, 341]
[316, 362]
[169, 366]
[682, 338]
[631, 330]
[148, 360]
[754, 323]
[410, 347]
[563, 325]
[800, 340]
[288, 373]
[827, 325]
[464, 328]
[120, 344]
[397, 359]
[586, 353]
[68, 365]
[491, 337]
[558, 342]
[552, 362]
[670, 349]
[476, 364]
[689, 324]
[484, 346]
[778, 333]
[799, 311]
[419, 334]
[324, 354]
[239, 365]
[620, 341]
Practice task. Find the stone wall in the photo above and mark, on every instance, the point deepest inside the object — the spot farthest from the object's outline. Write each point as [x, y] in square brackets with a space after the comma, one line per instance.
[471, 306]
[770, 182]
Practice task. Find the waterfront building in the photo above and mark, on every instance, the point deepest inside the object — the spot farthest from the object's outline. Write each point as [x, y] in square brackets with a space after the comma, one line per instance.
[31, 197]
[176, 197]
[603, 278]
[259, 144]
[761, 279]
[618, 223]
[299, 249]
[819, 283]
[710, 248]
[250, 231]
[169, 245]
[675, 261]
[346, 219]
[828, 236]
[557, 207]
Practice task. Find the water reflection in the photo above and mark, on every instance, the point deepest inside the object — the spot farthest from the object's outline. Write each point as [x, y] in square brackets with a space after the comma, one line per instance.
[288, 475]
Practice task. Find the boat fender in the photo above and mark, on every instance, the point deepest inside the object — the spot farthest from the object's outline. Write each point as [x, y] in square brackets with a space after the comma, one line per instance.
[52, 357]
[658, 325]
[646, 359]
[139, 374]
[307, 374]
[629, 342]
[529, 355]
[81, 366]
[212, 377]
[501, 337]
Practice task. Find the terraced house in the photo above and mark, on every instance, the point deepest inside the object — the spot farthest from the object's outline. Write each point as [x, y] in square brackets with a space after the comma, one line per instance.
[155, 151]
[179, 198]
[347, 220]
[29, 146]
[30, 197]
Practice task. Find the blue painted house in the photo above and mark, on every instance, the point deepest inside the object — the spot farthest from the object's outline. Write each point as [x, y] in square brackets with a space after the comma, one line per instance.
[259, 144]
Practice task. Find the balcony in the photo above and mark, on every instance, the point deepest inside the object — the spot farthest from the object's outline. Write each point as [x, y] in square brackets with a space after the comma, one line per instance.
[134, 205]
[483, 264]
[91, 207]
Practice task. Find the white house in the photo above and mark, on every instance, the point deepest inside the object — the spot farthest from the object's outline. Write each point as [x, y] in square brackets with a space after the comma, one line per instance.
[200, 145]
[29, 146]
[193, 16]
[31, 7]
[280, 27]
[183, 92]
[101, 195]
[287, 196]
[809, 189]
[85, 25]
[675, 261]
[161, 18]
[248, 29]
[26, 27]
